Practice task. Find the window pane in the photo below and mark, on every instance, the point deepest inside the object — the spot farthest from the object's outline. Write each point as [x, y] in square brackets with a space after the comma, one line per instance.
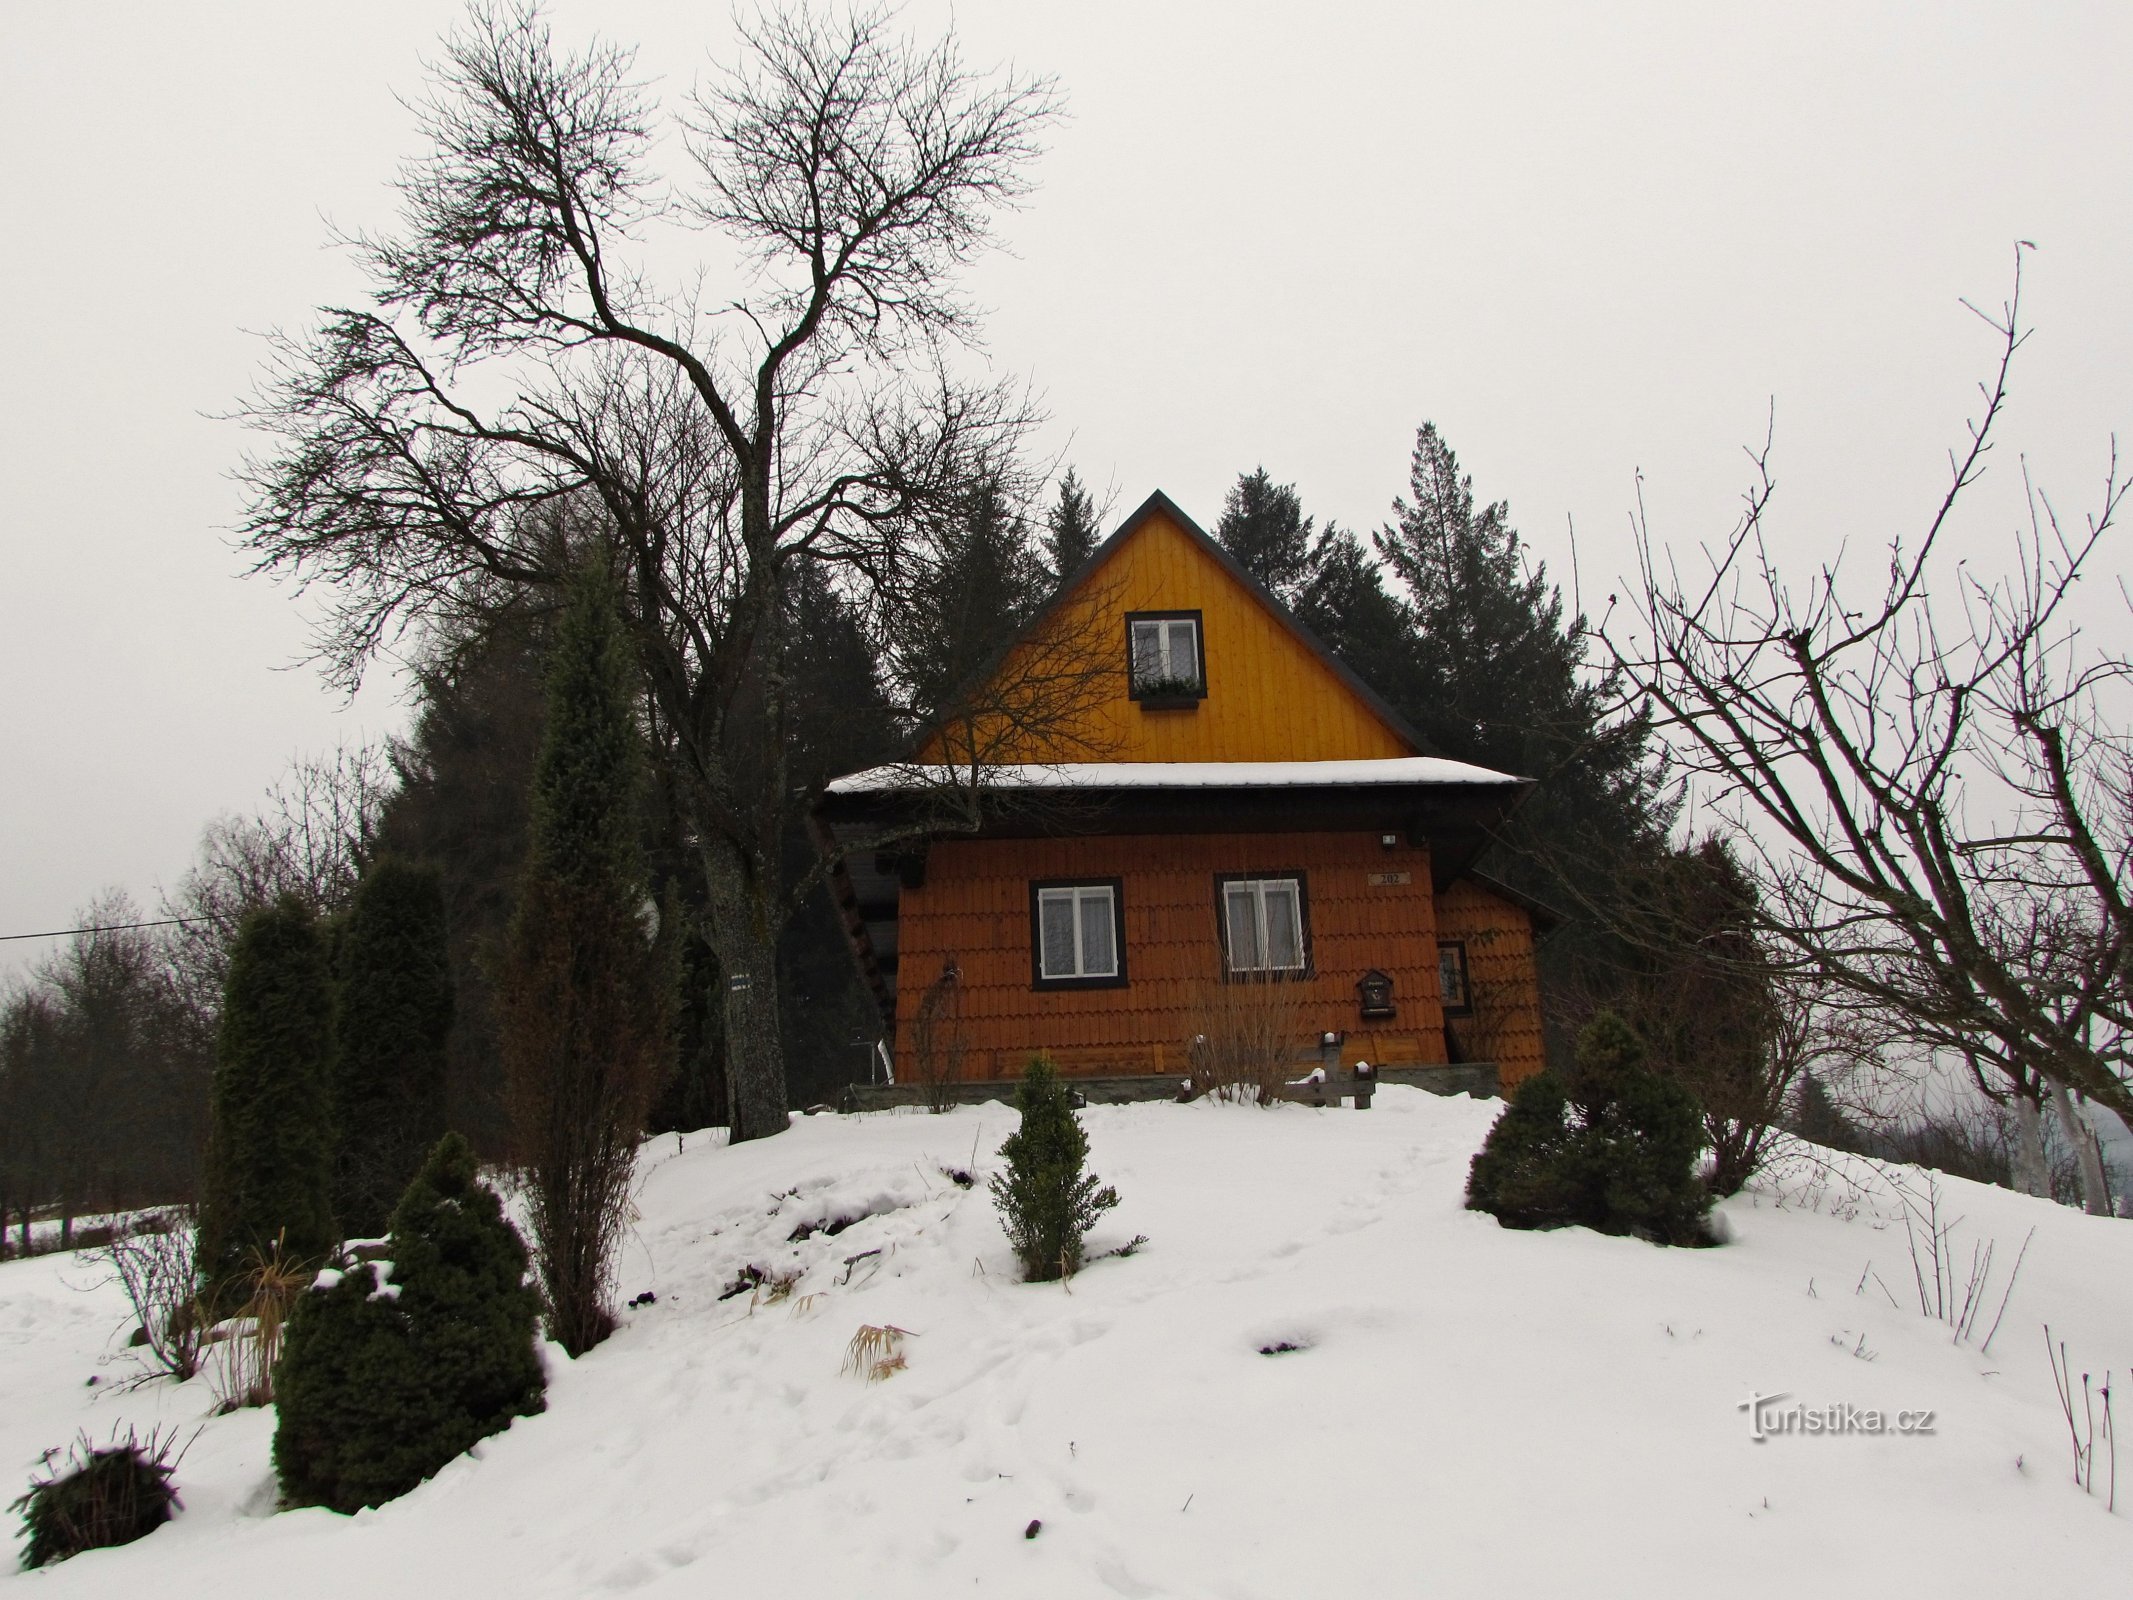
[1184, 655]
[1243, 927]
[1451, 976]
[1055, 917]
[1284, 926]
[1098, 957]
[1147, 651]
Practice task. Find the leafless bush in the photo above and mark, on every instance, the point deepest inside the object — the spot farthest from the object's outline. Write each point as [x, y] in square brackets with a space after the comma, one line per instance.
[937, 1042]
[154, 1267]
[1950, 1289]
[585, 1045]
[1248, 1036]
[2082, 1421]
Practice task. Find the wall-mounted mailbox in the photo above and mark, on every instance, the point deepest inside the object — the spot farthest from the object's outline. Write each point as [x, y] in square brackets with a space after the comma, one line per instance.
[1376, 991]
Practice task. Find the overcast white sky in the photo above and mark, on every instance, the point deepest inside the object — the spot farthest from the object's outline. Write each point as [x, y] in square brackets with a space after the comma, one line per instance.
[1587, 241]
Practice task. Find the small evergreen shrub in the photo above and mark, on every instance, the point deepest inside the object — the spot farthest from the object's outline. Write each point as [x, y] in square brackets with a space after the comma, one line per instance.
[391, 1369]
[1613, 1149]
[1046, 1199]
[98, 1497]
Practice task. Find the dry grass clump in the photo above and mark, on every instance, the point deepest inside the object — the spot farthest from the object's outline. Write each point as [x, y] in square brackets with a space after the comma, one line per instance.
[876, 1352]
[248, 1346]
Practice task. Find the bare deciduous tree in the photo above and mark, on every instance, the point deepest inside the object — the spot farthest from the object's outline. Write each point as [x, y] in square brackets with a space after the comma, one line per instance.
[311, 838]
[103, 1075]
[516, 353]
[1928, 778]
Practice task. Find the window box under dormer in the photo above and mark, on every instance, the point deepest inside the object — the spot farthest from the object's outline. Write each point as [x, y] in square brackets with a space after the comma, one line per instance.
[1165, 667]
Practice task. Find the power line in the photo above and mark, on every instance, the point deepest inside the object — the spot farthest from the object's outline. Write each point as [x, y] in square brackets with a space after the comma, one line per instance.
[109, 927]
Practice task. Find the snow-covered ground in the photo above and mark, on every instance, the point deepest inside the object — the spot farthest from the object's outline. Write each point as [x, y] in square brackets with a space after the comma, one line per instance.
[1472, 1411]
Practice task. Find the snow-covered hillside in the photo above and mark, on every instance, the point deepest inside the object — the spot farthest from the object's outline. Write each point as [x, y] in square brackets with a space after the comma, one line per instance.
[1471, 1411]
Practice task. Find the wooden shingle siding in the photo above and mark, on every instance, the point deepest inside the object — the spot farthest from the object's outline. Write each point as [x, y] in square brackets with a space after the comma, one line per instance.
[1504, 1025]
[973, 910]
[1269, 696]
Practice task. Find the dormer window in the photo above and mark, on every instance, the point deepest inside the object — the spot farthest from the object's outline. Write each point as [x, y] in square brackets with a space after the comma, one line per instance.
[1164, 663]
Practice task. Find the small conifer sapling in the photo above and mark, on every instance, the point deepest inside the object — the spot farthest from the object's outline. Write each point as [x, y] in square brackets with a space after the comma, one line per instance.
[1046, 1198]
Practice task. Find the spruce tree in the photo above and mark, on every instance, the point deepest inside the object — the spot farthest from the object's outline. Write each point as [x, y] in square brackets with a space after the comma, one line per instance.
[1346, 604]
[1046, 1198]
[1612, 1146]
[390, 1370]
[587, 1038]
[465, 774]
[978, 583]
[1496, 671]
[392, 1024]
[270, 1151]
[1071, 532]
[1266, 533]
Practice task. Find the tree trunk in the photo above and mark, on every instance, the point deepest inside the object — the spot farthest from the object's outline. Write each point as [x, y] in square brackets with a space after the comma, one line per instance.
[2032, 1174]
[744, 936]
[2095, 1190]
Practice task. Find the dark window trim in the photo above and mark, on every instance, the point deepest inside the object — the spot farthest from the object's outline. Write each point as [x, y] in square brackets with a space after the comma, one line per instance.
[1199, 639]
[1466, 974]
[1037, 979]
[1309, 969]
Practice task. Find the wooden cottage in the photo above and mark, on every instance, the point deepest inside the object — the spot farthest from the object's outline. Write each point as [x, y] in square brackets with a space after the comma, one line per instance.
[1166, 785]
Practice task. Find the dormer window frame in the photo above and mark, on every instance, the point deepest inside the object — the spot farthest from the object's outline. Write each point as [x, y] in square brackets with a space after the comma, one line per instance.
[1167, 693]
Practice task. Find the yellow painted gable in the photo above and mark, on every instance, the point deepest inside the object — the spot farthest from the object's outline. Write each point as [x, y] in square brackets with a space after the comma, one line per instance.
[1270, 696]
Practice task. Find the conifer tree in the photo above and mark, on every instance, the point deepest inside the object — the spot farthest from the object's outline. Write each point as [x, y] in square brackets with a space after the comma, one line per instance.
[1610, 1146]
[466, 772]
[392, 1024]
[390, 1370]
[270, 1152]
[1345, 603]
[1071, 531]
[587, 1037]
[1046, 1198]
[1265, 531]
[980, 582]
[1498, 672]
[1495, 671]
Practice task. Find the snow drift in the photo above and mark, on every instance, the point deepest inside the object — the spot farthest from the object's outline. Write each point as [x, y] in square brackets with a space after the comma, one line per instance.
[1450, 1408]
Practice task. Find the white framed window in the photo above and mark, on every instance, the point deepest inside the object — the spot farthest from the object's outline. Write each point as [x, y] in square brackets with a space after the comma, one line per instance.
[1265, 924]
[1164, 654]
[1077, 934]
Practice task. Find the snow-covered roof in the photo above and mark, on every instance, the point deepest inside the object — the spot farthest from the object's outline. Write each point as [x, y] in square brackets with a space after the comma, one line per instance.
[1405, 771]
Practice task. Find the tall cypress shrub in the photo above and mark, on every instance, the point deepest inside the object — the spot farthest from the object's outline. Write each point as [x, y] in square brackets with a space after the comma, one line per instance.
[392, 1026]
[270, 1151]
[390, 1370]
[587, 1036]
